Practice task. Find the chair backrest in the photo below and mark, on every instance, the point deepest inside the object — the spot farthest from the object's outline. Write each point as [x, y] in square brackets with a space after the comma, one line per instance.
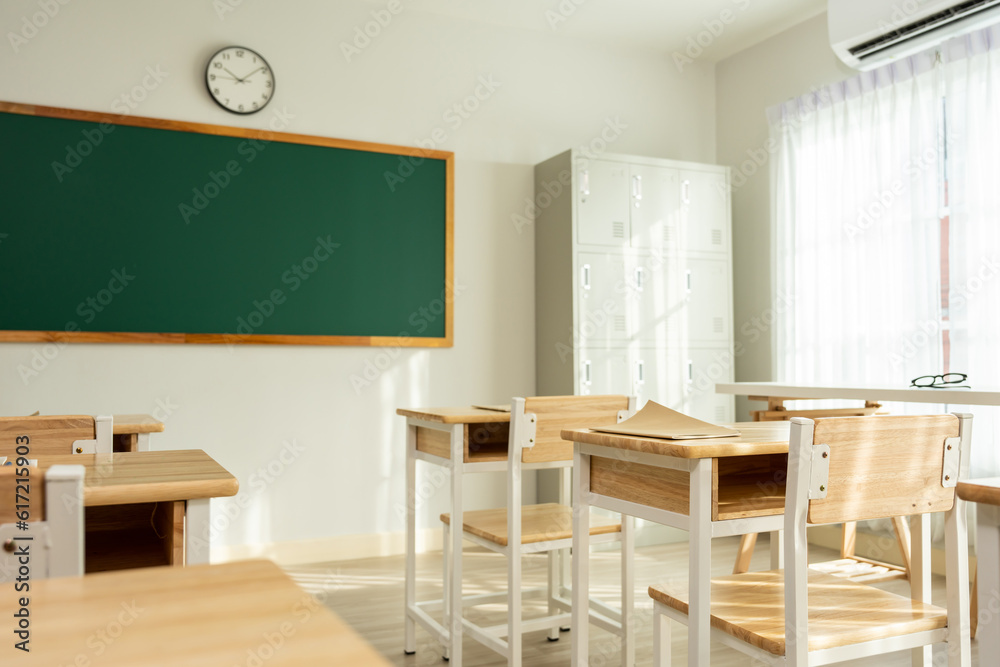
[56, 435]
[884, 466]
[52, 515]
[552, 414]
[855, 468]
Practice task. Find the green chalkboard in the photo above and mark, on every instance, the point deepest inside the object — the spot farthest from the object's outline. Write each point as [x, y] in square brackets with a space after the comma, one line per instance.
[124, 228]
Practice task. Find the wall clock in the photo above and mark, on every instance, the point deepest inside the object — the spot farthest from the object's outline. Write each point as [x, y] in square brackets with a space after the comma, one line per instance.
[239, 80]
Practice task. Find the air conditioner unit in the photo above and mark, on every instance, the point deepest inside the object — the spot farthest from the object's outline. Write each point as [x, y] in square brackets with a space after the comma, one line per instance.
[869, 33]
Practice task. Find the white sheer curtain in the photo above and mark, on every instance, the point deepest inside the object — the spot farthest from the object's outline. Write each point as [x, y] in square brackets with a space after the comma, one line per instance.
[973, 122]
[856, 207]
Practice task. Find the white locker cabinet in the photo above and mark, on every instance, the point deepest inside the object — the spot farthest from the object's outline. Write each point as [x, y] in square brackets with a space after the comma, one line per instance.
[656, 297]
[655, 211]
[603, 297]
[603, 202]
[651, 237]
[603, 368]
[705, 211]
[707, 302]
[703, 368]
[652, 371]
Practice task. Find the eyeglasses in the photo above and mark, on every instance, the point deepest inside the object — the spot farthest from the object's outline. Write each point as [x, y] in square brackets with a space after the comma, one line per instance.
[946, 381]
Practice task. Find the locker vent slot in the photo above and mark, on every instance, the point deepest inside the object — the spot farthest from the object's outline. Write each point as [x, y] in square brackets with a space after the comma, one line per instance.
[718, 324]
[668, 235]
[620, 323]
[618, 230]
[720, 414]
[716, 237]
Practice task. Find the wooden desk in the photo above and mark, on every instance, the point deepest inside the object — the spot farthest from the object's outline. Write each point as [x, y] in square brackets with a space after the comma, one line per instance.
[131, 432]
[462, 440]
[711, 488]
[136, 503]
[206, 616]
[986, 492]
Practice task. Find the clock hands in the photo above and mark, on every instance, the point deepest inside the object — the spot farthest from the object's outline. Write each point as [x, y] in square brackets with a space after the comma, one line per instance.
[235, 78]
[253, 72]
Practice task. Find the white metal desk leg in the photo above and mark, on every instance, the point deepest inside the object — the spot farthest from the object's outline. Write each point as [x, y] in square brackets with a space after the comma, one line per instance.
[581, 558]
[563, 555]
[700, 557]
[142, 442]
[457, 518]
[197, 532]
[410, 595]
[988, 559]
[920, 576]
[445, 599]
[628, 591]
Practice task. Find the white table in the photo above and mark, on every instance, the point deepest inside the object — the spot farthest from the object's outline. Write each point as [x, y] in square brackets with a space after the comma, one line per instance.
[780, 390]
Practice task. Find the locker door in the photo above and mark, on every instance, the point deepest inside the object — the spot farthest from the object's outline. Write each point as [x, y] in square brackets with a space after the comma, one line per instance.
[706, 286]
[705, 212]
[602, 203]
[603, 298]
[703, 367]
[657, 375]
[654, 194]
[604, 371]
[658, 299]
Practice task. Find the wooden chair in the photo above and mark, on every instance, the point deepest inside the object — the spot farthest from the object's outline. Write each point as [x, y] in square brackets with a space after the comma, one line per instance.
[534, 443]
[48, 435]
[847, 469]
[849, 565]
[51, 539]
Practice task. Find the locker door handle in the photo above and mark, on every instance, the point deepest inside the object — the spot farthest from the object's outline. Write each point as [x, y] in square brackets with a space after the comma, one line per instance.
[686, 191]
[586, 276]
[687, 280]
[638, 279]
[586, 372]
[690, 372]
[585, 183]
[640, 375]
[637, 189]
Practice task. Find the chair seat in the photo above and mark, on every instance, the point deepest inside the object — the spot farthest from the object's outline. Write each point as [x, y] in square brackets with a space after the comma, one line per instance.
[751, 607]
[539, 523]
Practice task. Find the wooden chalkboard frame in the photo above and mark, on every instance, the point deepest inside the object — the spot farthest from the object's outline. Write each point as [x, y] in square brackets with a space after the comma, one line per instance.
[264, 135]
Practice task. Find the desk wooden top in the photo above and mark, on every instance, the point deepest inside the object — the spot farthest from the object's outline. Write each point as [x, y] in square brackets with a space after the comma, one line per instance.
[198, 616]
[136, 424]
[976, 396]
[462, 415]
[754, 438]
[138, 477]
[980, 490]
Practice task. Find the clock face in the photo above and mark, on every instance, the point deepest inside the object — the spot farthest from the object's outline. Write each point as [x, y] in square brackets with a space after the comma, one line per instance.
[240, 80]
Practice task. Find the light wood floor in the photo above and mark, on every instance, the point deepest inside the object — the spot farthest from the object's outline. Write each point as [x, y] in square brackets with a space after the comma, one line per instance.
[368, 594]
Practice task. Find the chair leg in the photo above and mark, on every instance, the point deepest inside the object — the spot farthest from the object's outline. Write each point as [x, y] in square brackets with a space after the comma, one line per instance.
[777, 549]
[745, 553]
[848, 536]
[628, 591]
[661, 637]
[554, 563]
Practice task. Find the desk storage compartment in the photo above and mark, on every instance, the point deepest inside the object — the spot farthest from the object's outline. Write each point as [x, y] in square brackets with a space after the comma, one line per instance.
[483, 442]
[747, 486]
[742, 486]
[119, 537]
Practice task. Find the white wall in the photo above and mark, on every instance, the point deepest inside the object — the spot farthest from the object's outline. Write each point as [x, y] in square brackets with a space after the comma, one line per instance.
[787, 65]
[242, 404]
